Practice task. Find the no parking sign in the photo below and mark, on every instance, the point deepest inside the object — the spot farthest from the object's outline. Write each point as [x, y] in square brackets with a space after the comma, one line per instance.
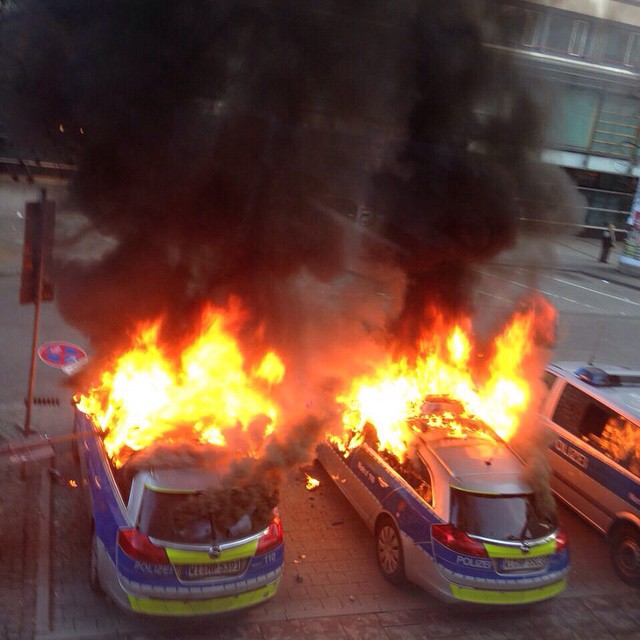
[62, 355]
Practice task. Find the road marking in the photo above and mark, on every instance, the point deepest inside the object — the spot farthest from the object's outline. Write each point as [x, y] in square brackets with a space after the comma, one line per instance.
[546, 293]
[602, 293]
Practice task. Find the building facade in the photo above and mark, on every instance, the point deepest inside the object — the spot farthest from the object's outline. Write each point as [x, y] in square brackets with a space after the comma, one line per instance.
[588, 51]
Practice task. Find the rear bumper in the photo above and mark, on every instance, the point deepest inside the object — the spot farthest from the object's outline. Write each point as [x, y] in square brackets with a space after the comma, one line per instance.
[459, 588]
[157, 600]
[202, 607]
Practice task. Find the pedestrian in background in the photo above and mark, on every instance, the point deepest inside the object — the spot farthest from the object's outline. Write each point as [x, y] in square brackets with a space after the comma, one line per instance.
[608, 241]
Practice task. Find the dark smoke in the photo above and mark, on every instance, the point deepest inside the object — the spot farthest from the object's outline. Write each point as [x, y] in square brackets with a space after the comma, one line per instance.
[208, 135]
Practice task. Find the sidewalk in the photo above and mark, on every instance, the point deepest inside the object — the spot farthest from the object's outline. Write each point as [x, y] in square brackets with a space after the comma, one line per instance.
[582, 255]
[25, 510]
[568, 253]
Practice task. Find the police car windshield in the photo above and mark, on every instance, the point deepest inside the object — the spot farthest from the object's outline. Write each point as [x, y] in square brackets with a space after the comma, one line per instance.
[500, 517]
[186, 518]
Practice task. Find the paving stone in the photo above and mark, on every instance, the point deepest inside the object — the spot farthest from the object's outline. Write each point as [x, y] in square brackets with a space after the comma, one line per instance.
[365, 627]
[285, 630]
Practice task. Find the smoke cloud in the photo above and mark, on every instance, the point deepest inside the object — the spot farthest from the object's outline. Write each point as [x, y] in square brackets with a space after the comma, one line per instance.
[214, 137]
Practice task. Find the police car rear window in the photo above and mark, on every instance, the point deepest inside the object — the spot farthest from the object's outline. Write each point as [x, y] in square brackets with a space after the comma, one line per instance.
[500, 517]
[183, 518]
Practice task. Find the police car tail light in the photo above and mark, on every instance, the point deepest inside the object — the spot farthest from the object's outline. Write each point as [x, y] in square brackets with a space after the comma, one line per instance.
[138, 546]
[272, 537]
[456, 540]
[562, 540]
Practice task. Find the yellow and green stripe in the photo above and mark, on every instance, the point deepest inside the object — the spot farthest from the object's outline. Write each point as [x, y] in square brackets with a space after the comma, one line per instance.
[487, 596]
[154, 606]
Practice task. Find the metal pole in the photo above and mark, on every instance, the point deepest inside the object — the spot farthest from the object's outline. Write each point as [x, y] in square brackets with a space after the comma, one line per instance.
[39, 255]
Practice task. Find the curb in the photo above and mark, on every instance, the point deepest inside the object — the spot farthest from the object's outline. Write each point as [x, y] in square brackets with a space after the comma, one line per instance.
[621, 283]
[43, 578]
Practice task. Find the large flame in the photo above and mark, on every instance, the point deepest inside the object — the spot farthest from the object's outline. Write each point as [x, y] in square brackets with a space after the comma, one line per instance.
[149, 396]
[494, 389]
[209, 393]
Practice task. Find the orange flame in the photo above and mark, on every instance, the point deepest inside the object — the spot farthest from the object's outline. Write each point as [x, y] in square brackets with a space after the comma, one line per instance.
[149, 397]
[312, 483]
[494, 390]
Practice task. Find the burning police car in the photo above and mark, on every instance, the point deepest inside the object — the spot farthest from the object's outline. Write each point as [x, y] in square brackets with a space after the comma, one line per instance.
[168, 538]
[182, 524]
[456, 516]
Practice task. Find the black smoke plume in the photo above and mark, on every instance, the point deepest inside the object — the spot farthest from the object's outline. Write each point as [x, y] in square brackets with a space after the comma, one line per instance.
[213, 137]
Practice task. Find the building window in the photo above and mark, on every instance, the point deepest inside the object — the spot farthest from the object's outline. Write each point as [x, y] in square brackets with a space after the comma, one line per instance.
[632, 55]
[566, 35]
[608, 196]
[621, 47]
[617, 127]
[578, 37]
[519, 27]
[531, 31]
[574, 113]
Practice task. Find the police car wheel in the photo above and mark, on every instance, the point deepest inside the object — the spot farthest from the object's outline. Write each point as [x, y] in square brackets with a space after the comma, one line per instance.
[625, 554]
[389, 551]
[94, 576]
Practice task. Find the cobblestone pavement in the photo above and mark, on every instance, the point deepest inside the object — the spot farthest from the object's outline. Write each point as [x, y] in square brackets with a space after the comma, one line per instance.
[24, 502]
[17, 559]
[332, 587]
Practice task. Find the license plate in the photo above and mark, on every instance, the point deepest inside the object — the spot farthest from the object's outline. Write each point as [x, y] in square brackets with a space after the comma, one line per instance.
[204, 571]
[513, 565]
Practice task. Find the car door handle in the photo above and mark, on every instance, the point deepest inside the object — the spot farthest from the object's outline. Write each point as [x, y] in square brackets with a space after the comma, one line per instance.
[382, 483]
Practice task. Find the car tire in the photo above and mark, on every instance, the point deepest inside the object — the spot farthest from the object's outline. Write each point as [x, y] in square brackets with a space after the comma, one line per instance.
[389, 550]
[625, 553]
[94, 574]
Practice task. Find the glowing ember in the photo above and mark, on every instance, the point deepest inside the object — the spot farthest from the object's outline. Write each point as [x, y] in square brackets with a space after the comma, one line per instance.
[312, 483]
[494, 390]
[147, 396]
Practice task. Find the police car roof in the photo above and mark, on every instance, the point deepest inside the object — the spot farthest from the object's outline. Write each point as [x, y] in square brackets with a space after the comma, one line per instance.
[480, 464]
[618, 385]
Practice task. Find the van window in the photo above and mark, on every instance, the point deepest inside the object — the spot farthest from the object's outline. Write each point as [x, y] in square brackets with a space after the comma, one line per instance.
[621, 442]
[581, 415]
[603, 428]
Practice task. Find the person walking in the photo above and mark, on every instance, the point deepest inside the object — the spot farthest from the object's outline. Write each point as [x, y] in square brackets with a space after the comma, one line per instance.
[608, 241]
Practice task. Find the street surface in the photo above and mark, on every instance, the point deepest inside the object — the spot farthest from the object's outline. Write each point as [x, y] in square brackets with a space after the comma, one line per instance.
[332, 587]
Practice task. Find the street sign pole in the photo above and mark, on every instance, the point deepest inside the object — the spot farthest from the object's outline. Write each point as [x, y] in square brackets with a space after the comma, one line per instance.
[38, 272]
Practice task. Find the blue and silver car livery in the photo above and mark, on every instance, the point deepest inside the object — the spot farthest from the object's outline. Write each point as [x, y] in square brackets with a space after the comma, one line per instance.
[159, 547]
[456, 518]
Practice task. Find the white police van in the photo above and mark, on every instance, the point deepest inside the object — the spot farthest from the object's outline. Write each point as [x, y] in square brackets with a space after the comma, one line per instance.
[593, 414]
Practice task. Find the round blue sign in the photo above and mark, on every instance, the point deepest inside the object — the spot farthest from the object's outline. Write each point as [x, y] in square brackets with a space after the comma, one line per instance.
[60, 354]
